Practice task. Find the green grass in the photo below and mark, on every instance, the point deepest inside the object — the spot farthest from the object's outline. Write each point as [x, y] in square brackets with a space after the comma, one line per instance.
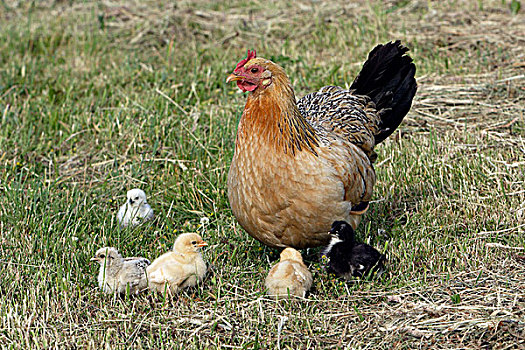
[97, 98]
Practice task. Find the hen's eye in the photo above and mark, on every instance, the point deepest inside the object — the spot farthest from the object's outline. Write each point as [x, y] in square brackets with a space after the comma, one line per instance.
[193, 242]
[254, 70]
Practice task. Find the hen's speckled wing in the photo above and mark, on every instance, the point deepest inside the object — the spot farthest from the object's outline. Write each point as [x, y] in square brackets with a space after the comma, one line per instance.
[339, 111]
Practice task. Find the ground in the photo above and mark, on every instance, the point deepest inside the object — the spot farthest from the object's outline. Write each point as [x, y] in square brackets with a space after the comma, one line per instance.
[100, 97]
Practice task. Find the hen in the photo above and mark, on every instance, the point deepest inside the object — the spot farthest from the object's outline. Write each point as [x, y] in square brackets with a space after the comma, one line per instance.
[300, 165]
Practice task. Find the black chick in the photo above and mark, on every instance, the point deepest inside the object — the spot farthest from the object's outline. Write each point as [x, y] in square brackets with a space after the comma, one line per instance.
[346, 257]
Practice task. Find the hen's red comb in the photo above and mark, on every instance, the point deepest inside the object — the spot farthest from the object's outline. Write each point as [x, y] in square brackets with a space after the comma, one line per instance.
[251, 54]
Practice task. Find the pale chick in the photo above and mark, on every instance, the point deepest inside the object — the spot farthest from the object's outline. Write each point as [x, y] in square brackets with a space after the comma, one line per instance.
[290, 276]
[118, 274]
[181, 268]
[136, 209]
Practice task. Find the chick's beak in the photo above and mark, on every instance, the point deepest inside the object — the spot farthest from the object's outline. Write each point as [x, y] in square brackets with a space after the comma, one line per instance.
[93, 259]
[233, 77]
[201, 244]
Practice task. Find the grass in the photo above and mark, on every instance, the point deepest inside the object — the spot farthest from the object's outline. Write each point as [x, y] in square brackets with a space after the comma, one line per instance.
[100, 97]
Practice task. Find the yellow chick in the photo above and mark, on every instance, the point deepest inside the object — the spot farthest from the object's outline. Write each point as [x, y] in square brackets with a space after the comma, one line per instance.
[290, 276]
[117, 274]
[181, 268]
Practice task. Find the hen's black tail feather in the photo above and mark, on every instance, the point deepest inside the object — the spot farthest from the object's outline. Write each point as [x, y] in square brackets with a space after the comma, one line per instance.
[388, 79]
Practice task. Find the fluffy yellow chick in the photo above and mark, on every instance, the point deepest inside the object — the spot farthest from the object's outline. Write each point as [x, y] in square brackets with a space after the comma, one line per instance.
[290, 276]
[181, 268]
[117, 274]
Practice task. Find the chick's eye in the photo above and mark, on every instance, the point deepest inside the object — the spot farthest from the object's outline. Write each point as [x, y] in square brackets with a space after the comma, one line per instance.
[136, 198]
[254, 70]
[193, 242]
[102, 256]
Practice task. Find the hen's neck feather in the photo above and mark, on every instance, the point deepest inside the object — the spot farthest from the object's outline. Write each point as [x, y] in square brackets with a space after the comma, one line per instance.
[273, 115]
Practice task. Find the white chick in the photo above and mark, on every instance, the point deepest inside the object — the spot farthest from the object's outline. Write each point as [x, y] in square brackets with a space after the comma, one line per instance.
[135, 210]
[290, 276]
[117, 274]
[181, 268]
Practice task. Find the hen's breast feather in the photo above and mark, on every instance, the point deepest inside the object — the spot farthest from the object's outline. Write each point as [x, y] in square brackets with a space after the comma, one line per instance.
[282, 197]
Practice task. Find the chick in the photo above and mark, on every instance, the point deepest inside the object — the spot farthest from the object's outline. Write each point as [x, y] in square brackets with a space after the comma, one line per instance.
[135, 210]
[117, 274]
[346, 257]
[181, 268]
[290, 276]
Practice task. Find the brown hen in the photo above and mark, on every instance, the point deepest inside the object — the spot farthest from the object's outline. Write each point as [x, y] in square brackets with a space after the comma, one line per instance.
[301, 165]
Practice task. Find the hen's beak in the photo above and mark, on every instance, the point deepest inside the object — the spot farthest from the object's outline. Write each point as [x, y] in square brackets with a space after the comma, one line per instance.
[234, 77]
[201, 244]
